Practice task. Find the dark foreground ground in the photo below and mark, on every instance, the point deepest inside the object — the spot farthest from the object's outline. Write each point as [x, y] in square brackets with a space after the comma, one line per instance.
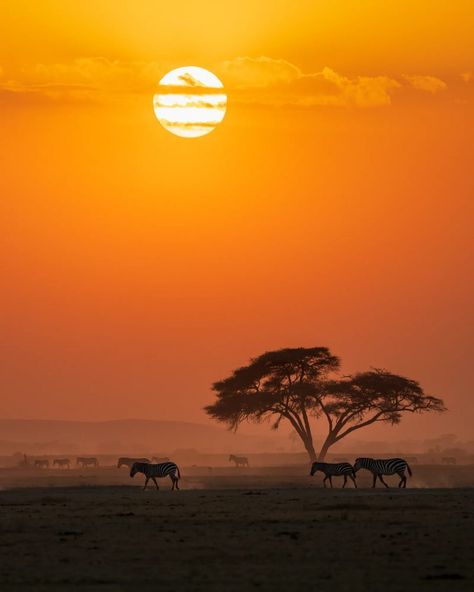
[241, 532]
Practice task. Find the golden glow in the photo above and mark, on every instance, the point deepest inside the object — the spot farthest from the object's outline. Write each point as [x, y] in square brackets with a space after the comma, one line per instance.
[194, 112]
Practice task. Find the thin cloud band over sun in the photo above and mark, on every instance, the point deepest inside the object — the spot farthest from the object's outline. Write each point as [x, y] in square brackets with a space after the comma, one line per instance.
[260, 81]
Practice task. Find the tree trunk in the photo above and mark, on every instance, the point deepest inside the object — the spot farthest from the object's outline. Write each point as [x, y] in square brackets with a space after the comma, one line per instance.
[308, 444]
[325, 447]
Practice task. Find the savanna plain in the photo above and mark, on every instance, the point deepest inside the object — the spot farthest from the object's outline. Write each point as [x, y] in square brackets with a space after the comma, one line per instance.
[235, 529]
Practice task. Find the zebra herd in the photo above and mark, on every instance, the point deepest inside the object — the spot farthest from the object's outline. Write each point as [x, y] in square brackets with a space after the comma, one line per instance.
[378, 468]
[159, 468]
[65, 463]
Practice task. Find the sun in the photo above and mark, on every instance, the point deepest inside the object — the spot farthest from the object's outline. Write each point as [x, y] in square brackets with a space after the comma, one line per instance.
[190, 102]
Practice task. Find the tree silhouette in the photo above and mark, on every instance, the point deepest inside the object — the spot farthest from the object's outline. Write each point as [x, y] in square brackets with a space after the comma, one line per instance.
[357, 401]
[296, 384]
[283, 384]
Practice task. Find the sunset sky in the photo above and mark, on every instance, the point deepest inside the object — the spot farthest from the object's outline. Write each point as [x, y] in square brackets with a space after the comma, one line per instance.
[332, 206]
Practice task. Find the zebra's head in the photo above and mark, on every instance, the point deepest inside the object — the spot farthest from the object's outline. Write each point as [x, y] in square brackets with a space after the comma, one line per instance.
[231, 457]
[134, 470]
[314, 467]
[360, 463]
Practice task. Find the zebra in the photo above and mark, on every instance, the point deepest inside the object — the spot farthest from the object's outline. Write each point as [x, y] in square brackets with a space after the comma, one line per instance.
[240, 461]
[330, 470]
[389, 466]
[160, 470]
[87, 461]
[41, 463]
[62, 463]
[128, 462]
[448, 460]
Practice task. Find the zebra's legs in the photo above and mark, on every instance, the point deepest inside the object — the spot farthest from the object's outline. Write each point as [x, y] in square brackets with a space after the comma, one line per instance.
[354, 481]
[345, 481]
[403, 480]
[154, 481]
[374, 481]
[324, 481]
[381, 479]
[146, 482]
[330, 480]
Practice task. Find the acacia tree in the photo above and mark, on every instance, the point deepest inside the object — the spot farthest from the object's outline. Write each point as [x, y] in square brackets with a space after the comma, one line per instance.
[284, 384]
[365, 398]
[295, 384]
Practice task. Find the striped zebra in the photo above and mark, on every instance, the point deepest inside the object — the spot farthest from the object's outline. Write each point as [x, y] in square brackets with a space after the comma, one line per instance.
[388, 466]
[240, 461]
[160, 470]
[87, 461]
[330, 470]
[128, 462]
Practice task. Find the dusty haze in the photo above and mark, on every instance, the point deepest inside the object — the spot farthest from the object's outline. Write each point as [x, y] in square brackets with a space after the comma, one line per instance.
[137, 268]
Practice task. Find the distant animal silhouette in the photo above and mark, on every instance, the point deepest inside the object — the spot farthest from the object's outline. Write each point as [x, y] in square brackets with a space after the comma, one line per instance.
[87, 461]
[330, 470]
[128, 462]
[41, 463]
[449, 460]
[240, 461]
[62, 463]
[154, 471]
[379, 467]
[159, 459]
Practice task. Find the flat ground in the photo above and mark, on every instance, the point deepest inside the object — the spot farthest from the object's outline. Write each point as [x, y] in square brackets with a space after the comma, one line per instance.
[254, 531]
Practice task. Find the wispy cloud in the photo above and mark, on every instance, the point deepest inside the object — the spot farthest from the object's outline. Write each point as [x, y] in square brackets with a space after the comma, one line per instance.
[425, 83]
[252, 80]
[279, 82]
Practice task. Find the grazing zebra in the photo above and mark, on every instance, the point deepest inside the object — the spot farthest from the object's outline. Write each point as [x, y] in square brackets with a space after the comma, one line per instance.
[389, 466]
[330, 470]
[128, 462]
[62, 463]
[153, 471]
[87, 461]
[41, 463]
[240, 461]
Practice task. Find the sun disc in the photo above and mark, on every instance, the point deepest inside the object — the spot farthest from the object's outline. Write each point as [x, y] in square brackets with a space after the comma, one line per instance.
[190, 102]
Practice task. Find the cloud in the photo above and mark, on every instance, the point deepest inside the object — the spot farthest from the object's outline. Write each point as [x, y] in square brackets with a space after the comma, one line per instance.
[256, 77]
[260, 80]
[429, 84]
[261, 72]
[84, 79]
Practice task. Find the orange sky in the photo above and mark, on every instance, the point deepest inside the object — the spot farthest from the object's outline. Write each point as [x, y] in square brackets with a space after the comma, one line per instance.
[333, 206]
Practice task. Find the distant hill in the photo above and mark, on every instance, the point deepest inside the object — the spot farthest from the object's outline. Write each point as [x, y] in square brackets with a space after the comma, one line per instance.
[122, 436]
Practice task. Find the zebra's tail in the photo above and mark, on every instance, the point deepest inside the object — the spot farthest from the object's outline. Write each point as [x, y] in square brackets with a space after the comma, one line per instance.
[178, 471]
[409, 470]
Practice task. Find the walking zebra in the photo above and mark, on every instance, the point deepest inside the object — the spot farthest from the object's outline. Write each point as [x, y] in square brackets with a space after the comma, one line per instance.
[389, 466]
[330, 470]
[62, 463]
[87, 461]
[240, 461]
[153, 471]
[128, 462]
